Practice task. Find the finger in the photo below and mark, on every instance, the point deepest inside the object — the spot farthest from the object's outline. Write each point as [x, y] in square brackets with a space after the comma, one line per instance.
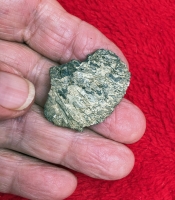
[86, 152]
[126, 124]
[50, 30]
[33, 179]
[16, 94]
[25, 62]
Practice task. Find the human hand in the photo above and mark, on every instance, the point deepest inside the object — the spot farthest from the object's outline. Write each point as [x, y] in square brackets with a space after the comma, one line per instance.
[30, 146]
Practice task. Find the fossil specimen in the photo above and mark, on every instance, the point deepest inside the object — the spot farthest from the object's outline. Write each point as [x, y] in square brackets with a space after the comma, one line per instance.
[85, 93]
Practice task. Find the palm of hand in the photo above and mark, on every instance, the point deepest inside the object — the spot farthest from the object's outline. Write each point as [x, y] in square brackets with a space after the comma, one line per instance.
[29, 144]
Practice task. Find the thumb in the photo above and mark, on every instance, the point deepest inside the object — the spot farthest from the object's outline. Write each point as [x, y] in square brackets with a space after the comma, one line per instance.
[16, 94]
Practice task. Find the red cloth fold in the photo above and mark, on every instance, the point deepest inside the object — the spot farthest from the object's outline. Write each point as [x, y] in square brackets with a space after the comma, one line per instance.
[145, 31]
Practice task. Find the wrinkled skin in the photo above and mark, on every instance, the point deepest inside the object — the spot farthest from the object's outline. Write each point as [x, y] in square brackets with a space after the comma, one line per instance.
[34, 35]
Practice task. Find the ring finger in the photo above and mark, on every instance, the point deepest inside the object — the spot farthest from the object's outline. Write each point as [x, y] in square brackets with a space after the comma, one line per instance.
[85, 152]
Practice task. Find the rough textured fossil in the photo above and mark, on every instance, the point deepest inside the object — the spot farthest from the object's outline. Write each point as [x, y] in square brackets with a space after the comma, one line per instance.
[85, 93]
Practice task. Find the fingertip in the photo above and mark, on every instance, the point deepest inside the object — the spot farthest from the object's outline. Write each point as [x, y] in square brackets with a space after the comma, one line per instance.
[65, 187]
[126, 164]
[30, 97]
[16, 95]
[91, 41]
[133, 120]
[111, 46]
[69, 186]
[59, 184]
[126, 124]
[122, 165]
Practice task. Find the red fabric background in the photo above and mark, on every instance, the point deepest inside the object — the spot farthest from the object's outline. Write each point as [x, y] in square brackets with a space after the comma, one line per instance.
[145, 32]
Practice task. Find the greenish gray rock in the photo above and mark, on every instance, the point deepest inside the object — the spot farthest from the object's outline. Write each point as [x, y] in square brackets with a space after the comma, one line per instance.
[85, 93]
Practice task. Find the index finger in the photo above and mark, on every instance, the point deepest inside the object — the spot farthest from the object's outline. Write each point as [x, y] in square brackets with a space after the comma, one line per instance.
[47, 28]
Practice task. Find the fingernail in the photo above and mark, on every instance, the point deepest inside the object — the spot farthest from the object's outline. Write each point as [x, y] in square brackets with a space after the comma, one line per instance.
[16, 93]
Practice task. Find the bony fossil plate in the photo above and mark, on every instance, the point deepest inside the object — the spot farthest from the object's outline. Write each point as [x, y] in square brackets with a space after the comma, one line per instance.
[85, 93]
